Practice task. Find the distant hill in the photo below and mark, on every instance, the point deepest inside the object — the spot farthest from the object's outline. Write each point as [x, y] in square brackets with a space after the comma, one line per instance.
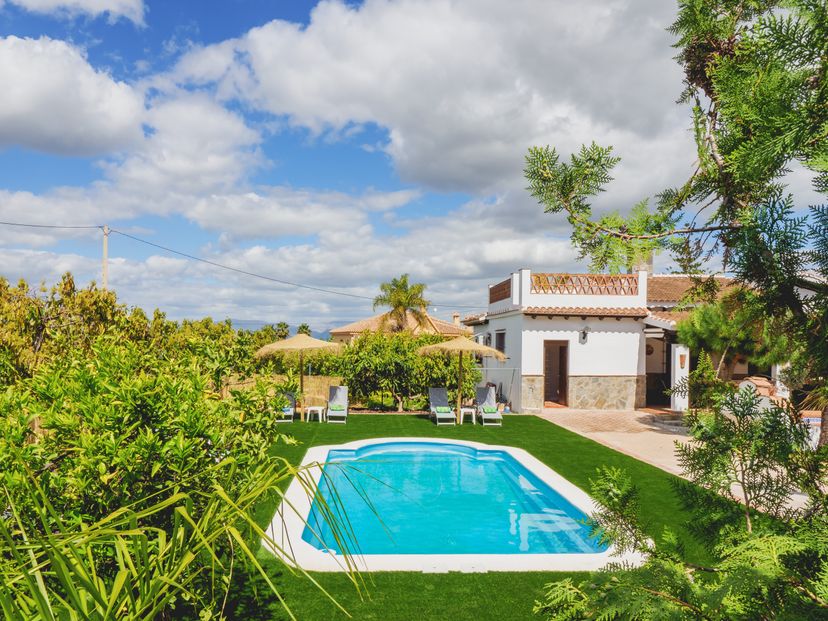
[254, 324]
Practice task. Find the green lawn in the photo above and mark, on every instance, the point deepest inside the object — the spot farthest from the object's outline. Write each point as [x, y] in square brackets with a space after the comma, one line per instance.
[398, 596]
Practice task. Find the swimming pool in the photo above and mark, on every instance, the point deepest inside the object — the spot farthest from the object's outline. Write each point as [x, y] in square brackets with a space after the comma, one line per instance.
[435, 505]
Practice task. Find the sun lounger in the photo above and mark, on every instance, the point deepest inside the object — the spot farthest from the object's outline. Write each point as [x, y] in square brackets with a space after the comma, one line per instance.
[337, 411]
[289, 411]
[439, 406]
[487, 406]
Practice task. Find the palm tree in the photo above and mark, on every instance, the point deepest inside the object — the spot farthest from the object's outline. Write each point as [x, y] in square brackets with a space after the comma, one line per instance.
[403, 298]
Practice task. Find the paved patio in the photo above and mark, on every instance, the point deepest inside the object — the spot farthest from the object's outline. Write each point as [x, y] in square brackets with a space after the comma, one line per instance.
[634, 433]
[631, 432]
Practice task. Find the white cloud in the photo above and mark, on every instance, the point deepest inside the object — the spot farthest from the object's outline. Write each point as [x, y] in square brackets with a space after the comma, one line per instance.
[279, 212]
[195, 146]
[457, 255]
[38, 266]
[132, 10]
[55, 101]
[464, 88]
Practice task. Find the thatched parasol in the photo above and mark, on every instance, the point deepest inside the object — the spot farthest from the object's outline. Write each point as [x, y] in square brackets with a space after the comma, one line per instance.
[299, 343]
[462, 345]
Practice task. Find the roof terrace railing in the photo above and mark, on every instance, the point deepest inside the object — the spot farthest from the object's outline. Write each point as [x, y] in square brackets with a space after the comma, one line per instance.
[585, 284]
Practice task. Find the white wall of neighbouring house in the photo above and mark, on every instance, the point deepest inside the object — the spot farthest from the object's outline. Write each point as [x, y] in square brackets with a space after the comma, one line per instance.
[612, 347]
[504, 374]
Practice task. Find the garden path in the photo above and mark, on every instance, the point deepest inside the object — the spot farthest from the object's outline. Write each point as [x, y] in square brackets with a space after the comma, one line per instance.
[630, 432]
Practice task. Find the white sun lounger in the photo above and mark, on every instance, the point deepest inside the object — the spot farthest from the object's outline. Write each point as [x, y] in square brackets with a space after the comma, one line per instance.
[337, 411]
[439, 406]
[288, 412]
[487, 407]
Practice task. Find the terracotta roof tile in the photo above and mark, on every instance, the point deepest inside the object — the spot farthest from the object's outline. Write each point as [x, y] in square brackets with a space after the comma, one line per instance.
[669, 288]
[585, 311]
[670, 316]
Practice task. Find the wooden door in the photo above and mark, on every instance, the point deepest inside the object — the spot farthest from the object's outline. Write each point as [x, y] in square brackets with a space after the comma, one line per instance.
[555, 362]
[563, 373]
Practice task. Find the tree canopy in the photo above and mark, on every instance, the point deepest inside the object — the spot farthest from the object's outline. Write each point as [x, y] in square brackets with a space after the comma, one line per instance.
[404, 299]
[756, 88]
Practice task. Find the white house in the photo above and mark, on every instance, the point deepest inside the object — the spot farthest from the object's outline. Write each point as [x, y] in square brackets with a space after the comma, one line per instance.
[586, 341]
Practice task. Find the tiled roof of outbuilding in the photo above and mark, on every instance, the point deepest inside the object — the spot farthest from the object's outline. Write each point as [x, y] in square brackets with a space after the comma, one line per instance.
[671, 317]
[671, 289]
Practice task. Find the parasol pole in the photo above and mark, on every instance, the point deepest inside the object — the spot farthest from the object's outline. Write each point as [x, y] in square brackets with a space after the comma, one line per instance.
[460, 387]
[302, 385]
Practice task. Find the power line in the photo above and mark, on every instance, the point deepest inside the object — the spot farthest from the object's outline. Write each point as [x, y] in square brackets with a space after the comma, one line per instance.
[262, 276]
[53, 226]
[241, 271]
[214, 263]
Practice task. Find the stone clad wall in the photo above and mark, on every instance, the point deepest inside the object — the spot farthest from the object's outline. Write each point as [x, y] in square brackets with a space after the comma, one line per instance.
[531, 393]
[607, 392]
[614, 392]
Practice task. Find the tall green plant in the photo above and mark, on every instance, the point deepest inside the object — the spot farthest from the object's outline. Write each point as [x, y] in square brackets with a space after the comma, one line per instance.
[404, 299]
[122, 567]
[738, 450]
[760, 567]
[128, 485]
[735, 327]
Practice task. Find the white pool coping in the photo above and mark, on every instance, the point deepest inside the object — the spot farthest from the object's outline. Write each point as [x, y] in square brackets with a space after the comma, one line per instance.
[288, 524]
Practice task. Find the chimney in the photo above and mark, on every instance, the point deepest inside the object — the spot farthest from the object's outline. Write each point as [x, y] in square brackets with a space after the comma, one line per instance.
[456, 317]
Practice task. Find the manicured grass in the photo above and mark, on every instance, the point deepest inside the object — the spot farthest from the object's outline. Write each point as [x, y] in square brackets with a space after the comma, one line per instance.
[398, 596]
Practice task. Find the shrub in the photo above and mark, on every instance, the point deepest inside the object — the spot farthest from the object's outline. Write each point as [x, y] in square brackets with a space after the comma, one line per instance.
[377, 362]
[143, 449]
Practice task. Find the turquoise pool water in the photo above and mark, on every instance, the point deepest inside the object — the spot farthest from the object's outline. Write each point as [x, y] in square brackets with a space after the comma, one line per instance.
[430, 498]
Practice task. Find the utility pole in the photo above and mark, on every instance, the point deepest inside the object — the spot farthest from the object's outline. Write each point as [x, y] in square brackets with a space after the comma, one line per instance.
[105, 278]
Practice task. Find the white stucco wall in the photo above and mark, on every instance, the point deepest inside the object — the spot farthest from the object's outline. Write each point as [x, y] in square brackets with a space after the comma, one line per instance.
[522, 296]
[612, 347]
[592, 301]
[505, 373]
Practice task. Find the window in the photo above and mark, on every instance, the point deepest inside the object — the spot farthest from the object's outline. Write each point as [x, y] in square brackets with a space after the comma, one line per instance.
[488, 340]
[500, 341]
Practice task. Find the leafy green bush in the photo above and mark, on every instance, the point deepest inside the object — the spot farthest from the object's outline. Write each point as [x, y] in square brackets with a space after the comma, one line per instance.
[376, 362]
[116, 432]
[121, 426]
[703, 385]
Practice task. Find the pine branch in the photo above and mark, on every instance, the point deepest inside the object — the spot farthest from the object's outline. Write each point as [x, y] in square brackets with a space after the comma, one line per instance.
[632, 236]
[677, 601]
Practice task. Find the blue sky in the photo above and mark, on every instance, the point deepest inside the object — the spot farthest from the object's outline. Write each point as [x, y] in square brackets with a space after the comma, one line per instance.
[335, 144]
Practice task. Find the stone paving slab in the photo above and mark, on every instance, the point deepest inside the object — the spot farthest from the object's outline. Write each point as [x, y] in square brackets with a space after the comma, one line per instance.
[627, 431]
[633, 433]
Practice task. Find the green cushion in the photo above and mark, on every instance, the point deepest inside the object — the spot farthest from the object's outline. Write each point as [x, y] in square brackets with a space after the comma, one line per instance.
[336, 408]
[490, 410]
[442, 410]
